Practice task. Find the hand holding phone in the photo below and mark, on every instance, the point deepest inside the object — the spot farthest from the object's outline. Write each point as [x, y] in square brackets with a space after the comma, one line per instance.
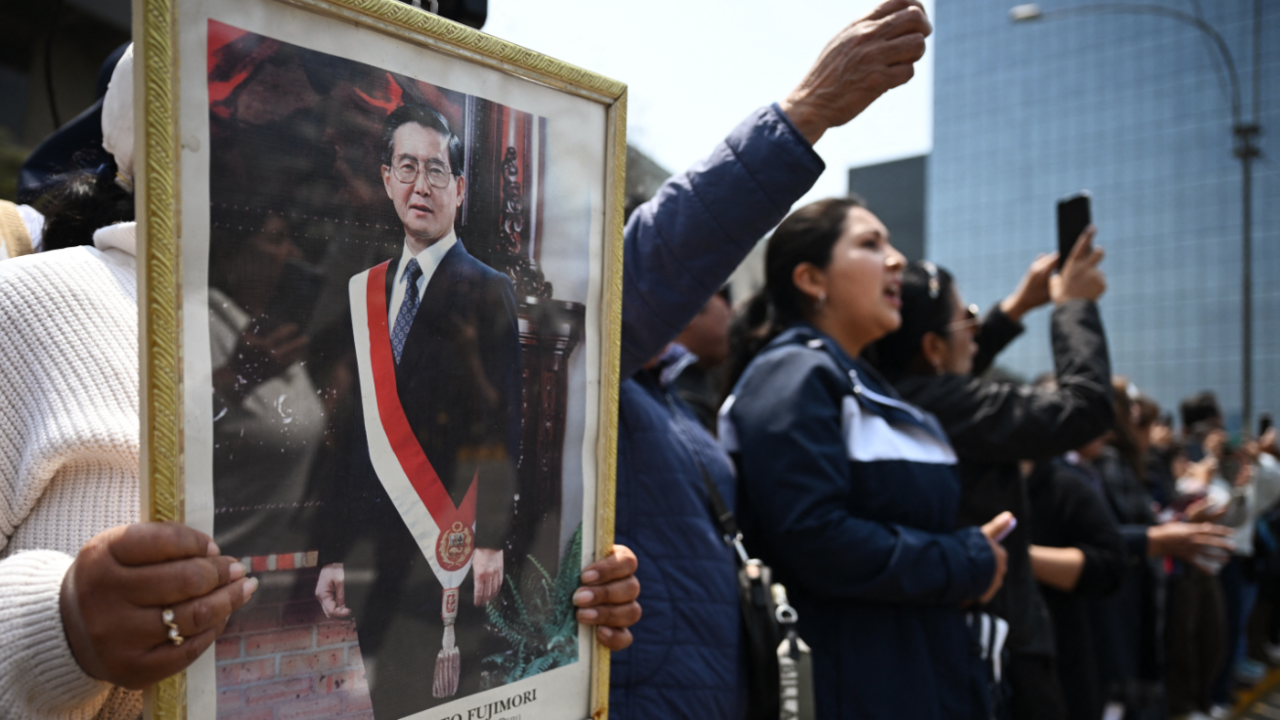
[1080, 277]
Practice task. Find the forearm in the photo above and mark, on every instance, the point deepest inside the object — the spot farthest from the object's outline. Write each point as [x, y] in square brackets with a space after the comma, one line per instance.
[847, 558]
[495, 490]
[39, 675]
[1082, 361]
[230, 386]
[497, 481]
[683, 244]
[999, 328]
[997, 422]
[1057, 567]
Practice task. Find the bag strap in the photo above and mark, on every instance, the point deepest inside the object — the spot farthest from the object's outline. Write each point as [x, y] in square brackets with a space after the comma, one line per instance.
[783, 613]
[724, 517]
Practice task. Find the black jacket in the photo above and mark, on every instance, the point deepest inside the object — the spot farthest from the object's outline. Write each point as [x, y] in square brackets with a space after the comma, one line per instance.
[1069, 509]
[993, 425]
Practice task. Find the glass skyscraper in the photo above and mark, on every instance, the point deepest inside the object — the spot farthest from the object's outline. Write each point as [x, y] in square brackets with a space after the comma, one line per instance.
[1136, 109]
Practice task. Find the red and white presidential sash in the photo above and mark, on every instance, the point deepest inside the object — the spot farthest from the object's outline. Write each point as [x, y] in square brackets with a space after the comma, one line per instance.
[445, 533]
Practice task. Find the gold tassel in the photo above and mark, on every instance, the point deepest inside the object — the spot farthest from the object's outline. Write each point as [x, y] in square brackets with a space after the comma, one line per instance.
[448, 660]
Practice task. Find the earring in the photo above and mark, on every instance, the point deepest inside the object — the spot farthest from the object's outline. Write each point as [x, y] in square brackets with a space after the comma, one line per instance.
[822, 302]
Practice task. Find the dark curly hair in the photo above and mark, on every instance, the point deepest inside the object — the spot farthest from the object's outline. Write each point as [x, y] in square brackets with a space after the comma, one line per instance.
[80, 202]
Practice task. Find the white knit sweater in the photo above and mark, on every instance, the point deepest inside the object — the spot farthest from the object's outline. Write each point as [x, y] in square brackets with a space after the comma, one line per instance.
[68, 458]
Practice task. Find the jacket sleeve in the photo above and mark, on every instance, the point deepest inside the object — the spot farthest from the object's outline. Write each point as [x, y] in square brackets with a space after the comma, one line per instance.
[39, 675]
[40, 438]
[1136, 541]
[998, 330]
[501, 357]
[683, 244]
[1083, 514]
[796, 485]
[1006, 422]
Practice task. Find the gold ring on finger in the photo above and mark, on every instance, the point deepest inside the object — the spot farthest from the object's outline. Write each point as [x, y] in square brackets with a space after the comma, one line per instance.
[174, 636]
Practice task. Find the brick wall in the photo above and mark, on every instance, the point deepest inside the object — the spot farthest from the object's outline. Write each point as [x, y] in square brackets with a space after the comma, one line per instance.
[281, 659]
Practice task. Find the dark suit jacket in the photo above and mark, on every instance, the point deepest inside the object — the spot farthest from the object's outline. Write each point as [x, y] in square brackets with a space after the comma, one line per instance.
[459, 384]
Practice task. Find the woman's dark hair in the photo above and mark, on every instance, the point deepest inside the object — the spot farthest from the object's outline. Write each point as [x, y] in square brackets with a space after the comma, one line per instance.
[1200, 409]
[1124, 433]
[807, 235]
[80, 202]
[927, 307]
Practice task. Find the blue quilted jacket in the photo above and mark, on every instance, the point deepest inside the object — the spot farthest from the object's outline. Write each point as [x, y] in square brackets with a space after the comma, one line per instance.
[680, 248]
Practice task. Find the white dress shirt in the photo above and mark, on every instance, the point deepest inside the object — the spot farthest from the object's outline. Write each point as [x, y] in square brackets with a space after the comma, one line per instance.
[428, 260]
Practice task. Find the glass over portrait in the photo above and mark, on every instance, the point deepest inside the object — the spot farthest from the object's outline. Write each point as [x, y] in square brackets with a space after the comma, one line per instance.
[391, 302]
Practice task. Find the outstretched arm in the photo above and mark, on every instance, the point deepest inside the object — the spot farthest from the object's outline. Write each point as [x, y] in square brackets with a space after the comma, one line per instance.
[1004, 322]
[682, 245]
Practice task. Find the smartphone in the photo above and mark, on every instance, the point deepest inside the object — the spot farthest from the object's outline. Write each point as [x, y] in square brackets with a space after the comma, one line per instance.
[1264, 423]
[1073, 218]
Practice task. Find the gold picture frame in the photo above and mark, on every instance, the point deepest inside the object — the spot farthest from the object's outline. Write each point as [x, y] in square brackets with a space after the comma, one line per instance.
[160, 195]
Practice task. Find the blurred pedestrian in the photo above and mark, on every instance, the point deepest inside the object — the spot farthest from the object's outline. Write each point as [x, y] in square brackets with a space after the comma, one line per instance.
[1240, 484]
[1077, 555]
[699, 379]
[936, 360]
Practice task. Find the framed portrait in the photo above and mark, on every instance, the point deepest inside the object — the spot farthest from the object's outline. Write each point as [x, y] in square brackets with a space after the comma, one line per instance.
[380, 268]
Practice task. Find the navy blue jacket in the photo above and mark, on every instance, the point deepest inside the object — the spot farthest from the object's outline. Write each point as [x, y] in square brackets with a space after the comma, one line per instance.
[680, 248]
[850, 494]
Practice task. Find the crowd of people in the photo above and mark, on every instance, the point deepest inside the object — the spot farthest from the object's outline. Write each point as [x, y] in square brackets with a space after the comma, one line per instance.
[955, 544]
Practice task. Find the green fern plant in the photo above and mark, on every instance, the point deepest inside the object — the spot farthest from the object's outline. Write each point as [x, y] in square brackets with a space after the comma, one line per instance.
[534, 614]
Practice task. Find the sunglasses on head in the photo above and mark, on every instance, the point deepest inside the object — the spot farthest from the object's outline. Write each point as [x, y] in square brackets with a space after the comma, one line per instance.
[970, 321]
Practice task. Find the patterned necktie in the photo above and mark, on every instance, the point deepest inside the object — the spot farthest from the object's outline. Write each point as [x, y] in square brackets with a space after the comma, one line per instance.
[408, 308]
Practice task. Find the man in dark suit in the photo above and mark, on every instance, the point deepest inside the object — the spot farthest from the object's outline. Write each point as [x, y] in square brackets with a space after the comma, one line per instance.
[445, 369]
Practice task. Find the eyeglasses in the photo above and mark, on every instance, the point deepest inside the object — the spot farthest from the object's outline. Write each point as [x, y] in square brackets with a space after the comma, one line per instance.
[407, 167]
[970, 320]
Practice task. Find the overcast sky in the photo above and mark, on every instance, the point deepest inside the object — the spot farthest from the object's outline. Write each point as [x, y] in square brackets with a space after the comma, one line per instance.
[695, 68]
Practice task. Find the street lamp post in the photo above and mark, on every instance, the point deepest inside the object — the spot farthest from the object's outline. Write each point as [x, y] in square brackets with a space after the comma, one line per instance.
[1243, 147]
